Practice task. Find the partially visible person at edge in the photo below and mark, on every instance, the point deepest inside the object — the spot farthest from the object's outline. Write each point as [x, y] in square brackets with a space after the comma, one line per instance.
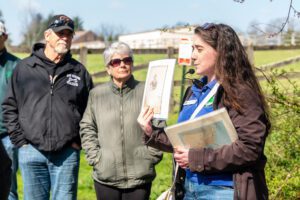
[5, 173]
[45, 102]
[234, 171]
[7, 64]
[111, 137]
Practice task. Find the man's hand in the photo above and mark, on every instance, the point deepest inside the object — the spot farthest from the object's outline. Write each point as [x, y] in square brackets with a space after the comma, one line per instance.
[74, 145]
[144, 120]
[181, 155]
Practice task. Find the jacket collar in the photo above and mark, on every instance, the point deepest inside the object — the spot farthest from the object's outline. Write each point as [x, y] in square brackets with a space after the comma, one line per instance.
[68, 63]
[206, 86]
[127, 87]
[3, 51]
[2, 56]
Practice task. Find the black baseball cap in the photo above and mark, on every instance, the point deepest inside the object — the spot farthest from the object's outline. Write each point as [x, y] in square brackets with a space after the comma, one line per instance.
[61, 22]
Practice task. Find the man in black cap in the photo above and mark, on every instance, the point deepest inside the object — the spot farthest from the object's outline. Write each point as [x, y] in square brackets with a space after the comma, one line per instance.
[46, 99]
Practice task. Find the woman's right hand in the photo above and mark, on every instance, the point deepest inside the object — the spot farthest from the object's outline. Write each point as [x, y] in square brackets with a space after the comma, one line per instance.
[181, 156]
[144, 120]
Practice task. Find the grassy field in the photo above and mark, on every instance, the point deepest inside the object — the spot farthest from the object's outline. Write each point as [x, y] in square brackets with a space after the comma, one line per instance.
[266, 57]
[163, 180]
[95, 62]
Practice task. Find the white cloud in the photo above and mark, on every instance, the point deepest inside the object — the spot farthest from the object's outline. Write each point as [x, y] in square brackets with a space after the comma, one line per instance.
[116, 4]
[27, 5]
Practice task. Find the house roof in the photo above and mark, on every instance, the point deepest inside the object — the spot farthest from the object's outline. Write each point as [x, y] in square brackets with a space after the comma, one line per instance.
[171, 30]
[79, 34]
[89, 45]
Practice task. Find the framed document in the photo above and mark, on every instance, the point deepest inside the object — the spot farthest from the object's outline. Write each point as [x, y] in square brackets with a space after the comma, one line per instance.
[212, 130]
[158, 87]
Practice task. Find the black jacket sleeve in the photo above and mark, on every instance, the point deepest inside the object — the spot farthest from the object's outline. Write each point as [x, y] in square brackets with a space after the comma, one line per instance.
[11, 113]
[159, 138]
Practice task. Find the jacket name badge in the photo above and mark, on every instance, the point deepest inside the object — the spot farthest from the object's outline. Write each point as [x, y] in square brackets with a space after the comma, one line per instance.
[190, 102]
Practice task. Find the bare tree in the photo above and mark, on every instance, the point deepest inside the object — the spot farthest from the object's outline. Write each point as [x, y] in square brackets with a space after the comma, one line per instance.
[34, 30]
[280, 28]
[181, 24]
[273, 25]
[78, 23]
[1, 16]
[251, 30]
[110, 32]
[47, 20]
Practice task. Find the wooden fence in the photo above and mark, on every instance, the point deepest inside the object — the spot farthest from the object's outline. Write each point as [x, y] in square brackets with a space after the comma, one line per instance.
[263, 68]
[267, 67]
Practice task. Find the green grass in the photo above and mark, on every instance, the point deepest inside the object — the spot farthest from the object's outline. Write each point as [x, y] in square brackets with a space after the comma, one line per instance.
[95, 62]
[295, 67]
[283, 83]
[164, 168]
[141, 75]
[163, 180]
[271, 56]
[21, 55]
[85, 182]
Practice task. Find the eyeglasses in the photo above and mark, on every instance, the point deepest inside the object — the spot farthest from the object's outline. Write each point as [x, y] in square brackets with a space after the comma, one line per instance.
[208, 26]
[65, 33]
[117, 62]
[62, 22]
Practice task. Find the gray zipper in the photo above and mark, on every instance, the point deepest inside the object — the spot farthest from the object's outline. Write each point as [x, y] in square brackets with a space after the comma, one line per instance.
[123, 137]
[52, 79]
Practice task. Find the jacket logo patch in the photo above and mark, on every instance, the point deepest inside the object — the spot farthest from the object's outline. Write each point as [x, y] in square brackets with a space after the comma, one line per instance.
[210, 101]
[73, 80]
[8, 74]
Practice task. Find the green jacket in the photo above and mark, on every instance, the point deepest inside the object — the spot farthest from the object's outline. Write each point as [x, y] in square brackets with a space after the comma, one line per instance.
[7, 64]
[112, 138]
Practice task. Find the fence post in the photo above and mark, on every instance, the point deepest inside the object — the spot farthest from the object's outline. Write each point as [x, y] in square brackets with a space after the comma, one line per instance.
[83, 55]
[170, 52]
[293, 39]
[182, 86]
[250, 52]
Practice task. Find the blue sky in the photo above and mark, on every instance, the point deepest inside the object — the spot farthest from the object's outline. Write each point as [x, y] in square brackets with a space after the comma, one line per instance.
[139, 15]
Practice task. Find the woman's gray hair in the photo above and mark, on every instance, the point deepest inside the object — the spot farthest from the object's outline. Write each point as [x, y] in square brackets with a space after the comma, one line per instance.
[116, 48]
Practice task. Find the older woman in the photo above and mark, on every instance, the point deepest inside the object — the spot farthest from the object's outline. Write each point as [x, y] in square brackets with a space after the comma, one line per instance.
[112, 138]
[234, 171]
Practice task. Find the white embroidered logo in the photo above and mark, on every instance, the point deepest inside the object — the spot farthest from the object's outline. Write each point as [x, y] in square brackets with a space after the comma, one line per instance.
[73, 80]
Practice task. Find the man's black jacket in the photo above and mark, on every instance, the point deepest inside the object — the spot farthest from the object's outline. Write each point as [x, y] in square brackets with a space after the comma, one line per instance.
[45, 101]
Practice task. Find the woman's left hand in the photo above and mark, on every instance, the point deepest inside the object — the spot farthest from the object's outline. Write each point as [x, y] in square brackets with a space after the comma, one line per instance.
[181, 156]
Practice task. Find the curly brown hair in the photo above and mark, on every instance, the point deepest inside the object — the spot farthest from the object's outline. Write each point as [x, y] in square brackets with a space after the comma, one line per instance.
[232, 66]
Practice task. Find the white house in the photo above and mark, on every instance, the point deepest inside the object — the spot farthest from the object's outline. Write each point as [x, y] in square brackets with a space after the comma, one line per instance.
[86, 39]
[282, 39]
[157, 39]
[264, 40]
[162, 39]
